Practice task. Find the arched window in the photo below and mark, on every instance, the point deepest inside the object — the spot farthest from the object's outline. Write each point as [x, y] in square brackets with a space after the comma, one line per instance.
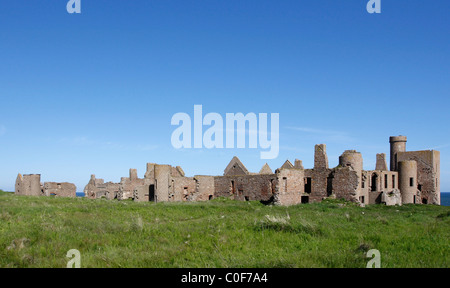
[374, 182]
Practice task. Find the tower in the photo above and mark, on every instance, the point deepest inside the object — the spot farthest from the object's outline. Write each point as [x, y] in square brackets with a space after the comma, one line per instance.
[398, 144]
[408, 181]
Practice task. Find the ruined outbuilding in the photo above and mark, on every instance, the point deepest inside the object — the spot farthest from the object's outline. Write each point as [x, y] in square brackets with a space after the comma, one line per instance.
[30, 185]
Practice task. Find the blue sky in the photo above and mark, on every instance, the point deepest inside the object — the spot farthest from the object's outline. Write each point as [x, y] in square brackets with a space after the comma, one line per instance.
[94, 93]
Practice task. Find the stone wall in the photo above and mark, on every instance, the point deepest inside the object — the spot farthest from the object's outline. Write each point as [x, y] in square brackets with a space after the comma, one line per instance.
[381, 163]
[392, 198]
[182, 188]
[204, 190]
[320, 183]
[97, 188]
[428, 174]
[320, 157]
[60, 189]
[245, 187]
[346, 184]
[29, 185]
[142, 193]
[379, 183]
[290, 187]
[128, 184]
[162, 182]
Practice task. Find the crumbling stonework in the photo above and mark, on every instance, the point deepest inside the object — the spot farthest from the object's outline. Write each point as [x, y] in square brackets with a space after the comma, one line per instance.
[128, 184]
[290, 188]
[60, 189]
[29, 185]
[320, 157]
[204, 187]
[97, 188]
[381, 162]
[298, 164]
[165, 183]
[379, 183]
[245, 187]
[392, 198]
[427, 180]
[346, 184]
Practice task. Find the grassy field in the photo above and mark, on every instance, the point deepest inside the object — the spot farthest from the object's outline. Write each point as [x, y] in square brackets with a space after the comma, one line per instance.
[38, 232]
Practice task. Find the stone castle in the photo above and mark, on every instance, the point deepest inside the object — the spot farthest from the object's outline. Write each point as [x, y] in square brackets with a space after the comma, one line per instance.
[413, 177]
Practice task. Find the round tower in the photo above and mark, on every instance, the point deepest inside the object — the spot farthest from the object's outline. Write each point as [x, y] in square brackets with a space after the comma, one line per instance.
[354, 159]
[398, 144]
[351, 158]
[407, 182]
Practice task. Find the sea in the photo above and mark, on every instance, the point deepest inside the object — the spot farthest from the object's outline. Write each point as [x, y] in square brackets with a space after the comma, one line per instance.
[445, 198]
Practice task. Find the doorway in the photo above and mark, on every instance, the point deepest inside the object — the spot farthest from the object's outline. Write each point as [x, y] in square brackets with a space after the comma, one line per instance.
[151, 195]
[374, 182]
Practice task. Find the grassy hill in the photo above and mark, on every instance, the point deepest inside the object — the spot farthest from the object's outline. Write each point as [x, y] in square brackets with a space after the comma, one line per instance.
[38, 232]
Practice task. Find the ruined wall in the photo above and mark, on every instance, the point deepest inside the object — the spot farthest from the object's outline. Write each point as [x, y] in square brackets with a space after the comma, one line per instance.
[97, 188]
[316, 181]
[321, 183]
[29, 185]
[320, 157]
[428, 174]
[298, 164]
[290, 187]
[60, 189]
[354, 160]
[128, 185]
[168, 184]
[379, 184]
[204, 189]
[375, 197]
[177, 172]
[245, 187]
[162, 183]
[179, 189]
[392, 198]
[142, 193]
[149, 177]
[346, 184]
[381, 163]
[91, 187]
[182, 188]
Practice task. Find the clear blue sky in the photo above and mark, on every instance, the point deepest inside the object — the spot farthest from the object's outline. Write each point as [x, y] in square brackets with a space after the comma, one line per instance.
[94, 93]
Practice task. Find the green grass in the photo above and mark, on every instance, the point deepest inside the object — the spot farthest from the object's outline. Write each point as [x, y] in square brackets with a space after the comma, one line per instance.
[38, 232]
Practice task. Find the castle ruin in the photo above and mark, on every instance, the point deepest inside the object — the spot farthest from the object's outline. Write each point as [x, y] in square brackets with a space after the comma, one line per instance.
[30, 185]
[413, 178]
